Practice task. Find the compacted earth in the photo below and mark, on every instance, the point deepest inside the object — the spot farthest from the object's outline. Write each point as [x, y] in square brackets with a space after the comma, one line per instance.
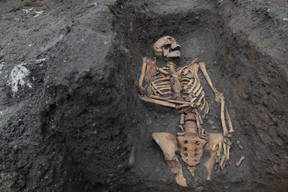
[70, 115]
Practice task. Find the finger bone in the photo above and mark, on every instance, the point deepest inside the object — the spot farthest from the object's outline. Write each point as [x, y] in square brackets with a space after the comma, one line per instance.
[238, 163]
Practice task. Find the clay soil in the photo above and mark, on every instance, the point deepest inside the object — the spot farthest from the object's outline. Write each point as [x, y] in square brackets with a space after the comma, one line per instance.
[76, 123]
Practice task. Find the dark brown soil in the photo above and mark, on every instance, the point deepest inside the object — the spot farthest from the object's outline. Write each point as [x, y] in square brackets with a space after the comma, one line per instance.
[77, 124]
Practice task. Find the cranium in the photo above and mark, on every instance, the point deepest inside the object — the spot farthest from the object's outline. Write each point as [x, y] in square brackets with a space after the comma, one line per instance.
[166, 46]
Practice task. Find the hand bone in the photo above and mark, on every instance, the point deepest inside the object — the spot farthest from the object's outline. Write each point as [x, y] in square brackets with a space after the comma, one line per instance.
[214, 146]
[238, 163]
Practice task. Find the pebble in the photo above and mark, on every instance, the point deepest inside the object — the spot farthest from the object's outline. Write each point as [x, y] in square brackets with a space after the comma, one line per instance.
[22, 163]
[199, 189]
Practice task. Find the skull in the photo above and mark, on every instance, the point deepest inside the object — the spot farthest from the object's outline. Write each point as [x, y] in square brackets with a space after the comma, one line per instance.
[167, 46]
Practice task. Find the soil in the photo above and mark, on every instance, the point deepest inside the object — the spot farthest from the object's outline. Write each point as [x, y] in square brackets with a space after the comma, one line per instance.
[71, 119]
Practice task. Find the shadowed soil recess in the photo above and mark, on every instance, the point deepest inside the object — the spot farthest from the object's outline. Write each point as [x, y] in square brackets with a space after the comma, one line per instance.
[70, 116]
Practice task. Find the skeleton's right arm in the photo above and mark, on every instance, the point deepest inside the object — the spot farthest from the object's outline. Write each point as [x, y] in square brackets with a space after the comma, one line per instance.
[141, 79]
[149, 69]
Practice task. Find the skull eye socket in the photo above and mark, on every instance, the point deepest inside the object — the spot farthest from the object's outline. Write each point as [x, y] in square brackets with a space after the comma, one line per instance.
[177, 48]
[167, 46]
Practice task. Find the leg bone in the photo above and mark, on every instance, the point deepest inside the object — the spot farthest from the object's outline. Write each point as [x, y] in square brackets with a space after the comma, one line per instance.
[168, 144]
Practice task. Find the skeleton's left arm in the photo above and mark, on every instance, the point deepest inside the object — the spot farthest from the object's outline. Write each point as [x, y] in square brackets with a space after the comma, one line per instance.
[219, 99]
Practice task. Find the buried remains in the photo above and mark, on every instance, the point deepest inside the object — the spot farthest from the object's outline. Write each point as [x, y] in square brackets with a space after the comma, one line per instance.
[180, 88]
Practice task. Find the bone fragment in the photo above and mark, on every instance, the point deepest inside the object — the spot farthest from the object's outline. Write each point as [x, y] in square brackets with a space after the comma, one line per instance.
[224, 156]
[163, 86]
[182, 106]
[158, 102]
[228, 152]
[203, 105]
[163, 71]
[198, 124]
[156, 88]
[188, 80]
[200, 100]
[161, 79]
[193, 86]
[197, 88]
[239, 145]
[132, 157]
[230, 126]
[200, 119]
[199, 91]
[143, 70]
[166, 88]
[185, 71]
[193, 99]
[191, 81]
[168, 144]
[178, 102]
[225, 131]
[181, 127]
[180, 133]
[238, 163]
[207, 109]
[182, 119]
[164, 83]
[157, 97]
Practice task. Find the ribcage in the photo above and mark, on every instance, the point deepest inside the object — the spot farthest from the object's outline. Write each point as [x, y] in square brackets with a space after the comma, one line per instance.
[192, 91]
[161, 86]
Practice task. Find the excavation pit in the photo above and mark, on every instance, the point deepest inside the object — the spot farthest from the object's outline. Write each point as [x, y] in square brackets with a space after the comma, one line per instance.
[81, 125]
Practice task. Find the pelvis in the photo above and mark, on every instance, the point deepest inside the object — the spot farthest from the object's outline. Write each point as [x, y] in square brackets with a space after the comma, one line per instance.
[191, 148]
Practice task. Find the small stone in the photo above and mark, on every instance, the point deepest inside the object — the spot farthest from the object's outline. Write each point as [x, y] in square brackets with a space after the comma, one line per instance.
[22, 163]
[210, 122]
[15, 148]
[199, 189]
[149, 122]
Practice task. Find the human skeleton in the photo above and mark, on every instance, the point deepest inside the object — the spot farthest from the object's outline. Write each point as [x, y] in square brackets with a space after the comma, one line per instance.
[180, 88]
